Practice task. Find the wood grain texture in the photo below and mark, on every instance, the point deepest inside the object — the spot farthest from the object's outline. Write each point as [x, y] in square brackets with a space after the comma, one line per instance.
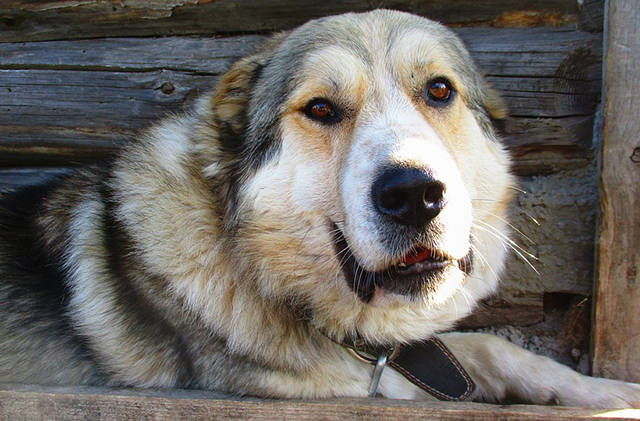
[188, 54]
[62, 99]
[592, 15]
[73, 19]
[80, 403]
[12, 178]
[616, 328]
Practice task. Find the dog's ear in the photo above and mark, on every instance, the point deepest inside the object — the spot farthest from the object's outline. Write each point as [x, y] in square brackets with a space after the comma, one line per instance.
[494, 104]
[233, 91]
[496, 108]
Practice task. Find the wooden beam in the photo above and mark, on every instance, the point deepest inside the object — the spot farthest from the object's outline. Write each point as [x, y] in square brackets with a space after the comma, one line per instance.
[616, 327]
[73, 19]
[80, 403]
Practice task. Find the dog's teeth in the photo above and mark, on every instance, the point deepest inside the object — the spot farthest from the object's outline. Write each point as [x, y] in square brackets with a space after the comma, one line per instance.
[402, 265]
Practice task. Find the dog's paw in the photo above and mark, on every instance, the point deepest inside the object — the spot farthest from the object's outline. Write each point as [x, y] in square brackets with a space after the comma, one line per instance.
[593, 392]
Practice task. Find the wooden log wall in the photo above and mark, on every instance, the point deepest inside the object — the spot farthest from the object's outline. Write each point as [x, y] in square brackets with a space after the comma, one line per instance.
[79, 78]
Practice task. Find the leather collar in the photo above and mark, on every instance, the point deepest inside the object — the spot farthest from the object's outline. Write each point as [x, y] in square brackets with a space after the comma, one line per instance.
[428, 364]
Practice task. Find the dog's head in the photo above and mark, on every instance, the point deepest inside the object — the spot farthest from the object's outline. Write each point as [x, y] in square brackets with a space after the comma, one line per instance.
[364, 181]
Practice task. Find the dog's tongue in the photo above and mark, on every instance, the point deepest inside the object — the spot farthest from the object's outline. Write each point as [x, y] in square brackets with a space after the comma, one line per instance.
[415, 257]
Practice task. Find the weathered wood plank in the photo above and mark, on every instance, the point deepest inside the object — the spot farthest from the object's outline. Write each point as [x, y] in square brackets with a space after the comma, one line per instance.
[50, 145]
[616, 329]
[79, 403]
[59, 95]
[72, 19]
[118, 100]
[519, 52]
[548, 145]
[11, 178]
[189, 54]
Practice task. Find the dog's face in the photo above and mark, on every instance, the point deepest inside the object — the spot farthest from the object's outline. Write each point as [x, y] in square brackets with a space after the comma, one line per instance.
[370, 175]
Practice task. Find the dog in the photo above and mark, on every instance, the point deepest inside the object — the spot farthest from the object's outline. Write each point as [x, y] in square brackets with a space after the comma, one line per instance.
[342, 191]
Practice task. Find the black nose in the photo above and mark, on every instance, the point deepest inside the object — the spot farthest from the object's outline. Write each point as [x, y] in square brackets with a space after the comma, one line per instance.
[408, 195]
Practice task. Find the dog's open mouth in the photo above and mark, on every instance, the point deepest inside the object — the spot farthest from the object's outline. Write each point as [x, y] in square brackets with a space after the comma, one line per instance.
[422, 260]
[416, 270]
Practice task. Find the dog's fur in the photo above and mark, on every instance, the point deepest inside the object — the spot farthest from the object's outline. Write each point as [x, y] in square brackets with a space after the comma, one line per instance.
[205, 254]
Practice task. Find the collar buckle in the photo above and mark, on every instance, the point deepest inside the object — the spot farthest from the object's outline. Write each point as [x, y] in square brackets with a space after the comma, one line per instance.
[371, 354]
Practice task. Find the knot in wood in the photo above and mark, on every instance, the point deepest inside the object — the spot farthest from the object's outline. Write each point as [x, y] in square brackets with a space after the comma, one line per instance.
[635, 156]
[167, 88]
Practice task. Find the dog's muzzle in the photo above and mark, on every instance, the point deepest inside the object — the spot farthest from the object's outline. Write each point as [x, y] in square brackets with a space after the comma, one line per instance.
[407, 200]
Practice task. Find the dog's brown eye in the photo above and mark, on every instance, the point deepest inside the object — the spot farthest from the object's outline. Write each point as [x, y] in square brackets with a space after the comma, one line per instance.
[322, 110]
[439, 91]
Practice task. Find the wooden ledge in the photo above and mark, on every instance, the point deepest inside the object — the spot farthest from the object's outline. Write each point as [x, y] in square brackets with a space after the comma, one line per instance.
[74, 403]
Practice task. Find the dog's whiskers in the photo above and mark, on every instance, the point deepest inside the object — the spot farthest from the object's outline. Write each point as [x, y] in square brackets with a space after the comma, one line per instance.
[513, 227]
[357, 278]
[489, 229]
[344, 253]
[518, 189]
[505, 238]
[485, 262]
[484, 200]
[371, 278]
[469, 301]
